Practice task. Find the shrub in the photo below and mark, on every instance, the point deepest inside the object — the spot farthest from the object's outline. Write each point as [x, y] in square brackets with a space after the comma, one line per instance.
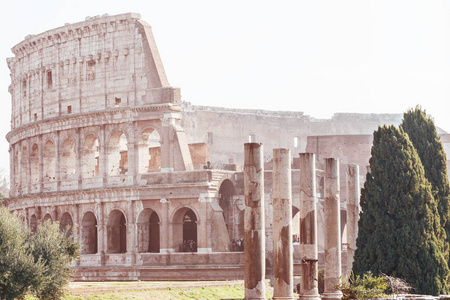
[365, 287]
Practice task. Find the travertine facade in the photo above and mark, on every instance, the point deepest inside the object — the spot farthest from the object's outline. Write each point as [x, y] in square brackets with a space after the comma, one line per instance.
[100, 141]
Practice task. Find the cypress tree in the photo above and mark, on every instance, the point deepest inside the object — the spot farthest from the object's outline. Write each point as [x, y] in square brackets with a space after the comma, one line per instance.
[423, 134]
[399, 226]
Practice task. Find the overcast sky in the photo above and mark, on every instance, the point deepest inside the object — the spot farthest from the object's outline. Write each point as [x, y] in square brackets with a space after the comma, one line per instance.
[319, 57]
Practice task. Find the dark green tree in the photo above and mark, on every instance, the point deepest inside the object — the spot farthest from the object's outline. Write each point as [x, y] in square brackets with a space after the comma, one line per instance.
[423, 134]
[399, 226]
[38, 262]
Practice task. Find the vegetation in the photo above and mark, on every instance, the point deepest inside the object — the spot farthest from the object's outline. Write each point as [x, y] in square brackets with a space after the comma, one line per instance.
[366, 286]
[423, 134]
[38, 262]
[399, 227]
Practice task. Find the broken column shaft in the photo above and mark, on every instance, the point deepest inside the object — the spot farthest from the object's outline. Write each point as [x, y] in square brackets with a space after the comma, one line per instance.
[308, 227]
[352, 211]
[254, 225]
[332, 230]
[282, 225]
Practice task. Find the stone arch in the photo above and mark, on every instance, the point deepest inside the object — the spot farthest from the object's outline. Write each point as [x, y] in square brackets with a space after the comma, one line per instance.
[66, 223]
[68, 158]
[149, 150]
[33, 223]
[117, 232]
[49, 161]
[89, 235]
[229, 210]
[24, 165]
[90, 156]
[34, 164]
[118, 153]
[148, 224]
[48, 217]
[185, 229]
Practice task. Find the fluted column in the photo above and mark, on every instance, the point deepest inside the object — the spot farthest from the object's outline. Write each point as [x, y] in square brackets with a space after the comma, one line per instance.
[332, 229]
[283, 261]
[308, 227]
[353, 194]
[254, 224]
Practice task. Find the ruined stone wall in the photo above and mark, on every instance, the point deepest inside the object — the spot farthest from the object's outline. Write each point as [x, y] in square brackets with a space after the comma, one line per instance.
[226, 130]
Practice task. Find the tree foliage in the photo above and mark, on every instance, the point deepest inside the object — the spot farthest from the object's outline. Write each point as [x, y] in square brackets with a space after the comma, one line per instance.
[37, 262]
[399, 225]
[423, 134]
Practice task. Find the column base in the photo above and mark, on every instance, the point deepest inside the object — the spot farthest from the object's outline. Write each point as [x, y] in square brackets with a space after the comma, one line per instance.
[309, 297]
[332, 296]
[283, 298]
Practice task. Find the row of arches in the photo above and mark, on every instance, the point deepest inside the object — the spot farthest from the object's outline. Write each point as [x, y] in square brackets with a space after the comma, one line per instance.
[29, 159]
[147, 230]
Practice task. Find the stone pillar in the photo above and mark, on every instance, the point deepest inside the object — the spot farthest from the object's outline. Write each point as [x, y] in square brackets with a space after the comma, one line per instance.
[352, 211]
[283, 261]
[254, 239]
[308, 228]
[332, 229]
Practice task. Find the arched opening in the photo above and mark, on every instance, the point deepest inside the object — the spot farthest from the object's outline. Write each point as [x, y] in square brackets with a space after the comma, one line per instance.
[90, 161]
[117, 233]
[33, 223]
[49, 161]
[229, 210]
[24, 166]
[295, 225]
[89, 233]
[190, 232]
[148, 231]
[117, 154]
[34, 164]
[66, 223]
[16, 168]
[149, 151]
[68, 159]
[48, 217]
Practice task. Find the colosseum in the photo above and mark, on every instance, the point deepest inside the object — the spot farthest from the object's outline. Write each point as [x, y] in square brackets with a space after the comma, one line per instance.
[151, 186]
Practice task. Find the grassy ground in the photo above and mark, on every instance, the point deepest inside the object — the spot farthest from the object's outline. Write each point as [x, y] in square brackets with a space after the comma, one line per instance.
[156, 290]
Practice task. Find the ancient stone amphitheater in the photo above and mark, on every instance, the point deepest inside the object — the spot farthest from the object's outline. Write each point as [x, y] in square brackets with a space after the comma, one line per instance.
[98, 143]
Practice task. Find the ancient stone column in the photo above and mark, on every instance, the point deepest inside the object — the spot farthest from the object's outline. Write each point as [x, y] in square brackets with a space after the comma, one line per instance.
[332, 229]
[352, 211]
[254, 231]
[308, 227]
[283, 261]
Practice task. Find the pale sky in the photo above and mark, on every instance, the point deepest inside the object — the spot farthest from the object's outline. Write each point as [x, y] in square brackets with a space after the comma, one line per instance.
[318, 57]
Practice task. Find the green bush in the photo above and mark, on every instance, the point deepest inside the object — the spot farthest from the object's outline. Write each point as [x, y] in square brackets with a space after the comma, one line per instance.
[365, 287]
[38, 262]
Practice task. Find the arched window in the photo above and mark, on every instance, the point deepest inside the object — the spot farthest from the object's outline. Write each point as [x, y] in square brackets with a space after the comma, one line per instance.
[33, 223]
[24, 166]
[34, 164]
[149, 151]
[118, 154]
[89, 233]
[49, 161]
[48, 217]
[90, 157]
[117, 233]
[66, 223]
[68, 159]
[148, 231]
[230, 210]
[184, 234]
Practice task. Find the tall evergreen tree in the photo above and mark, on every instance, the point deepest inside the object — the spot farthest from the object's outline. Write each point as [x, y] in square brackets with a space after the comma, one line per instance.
[423, 134]
[399, 225]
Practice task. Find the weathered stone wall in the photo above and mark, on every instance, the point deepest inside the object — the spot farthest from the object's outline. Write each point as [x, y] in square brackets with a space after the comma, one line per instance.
[226, 130]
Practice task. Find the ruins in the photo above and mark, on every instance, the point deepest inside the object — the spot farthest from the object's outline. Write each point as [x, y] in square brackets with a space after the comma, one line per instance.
[153, 187]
